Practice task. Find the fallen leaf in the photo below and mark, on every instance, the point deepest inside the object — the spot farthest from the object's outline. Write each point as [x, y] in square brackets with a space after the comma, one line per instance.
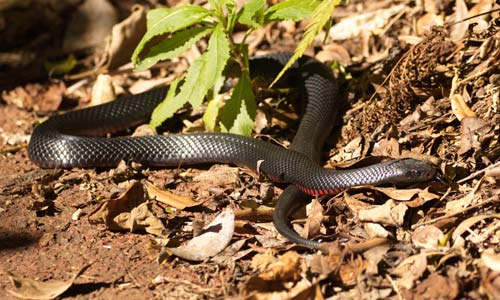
[274, 272]
[460, 108]
[473, 130]
[89, 25]
[129, 211]
[216, 237]
[426, 21]
[427, 237]
[171, 199]
[410, 270]
[31, 289]
[124, 37]
[491, 259]
[466, 225]
[460, 25]
[314, 219]
[406, 194]
[102, 90]
[389, 213]
[435, 287]
[219, 175]
[375, 230]
[354, 26]
[373, 257]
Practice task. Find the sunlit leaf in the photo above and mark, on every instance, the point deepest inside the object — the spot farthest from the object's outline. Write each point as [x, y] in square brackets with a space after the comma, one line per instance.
[239, 113]
[165, 20]
[173, 47]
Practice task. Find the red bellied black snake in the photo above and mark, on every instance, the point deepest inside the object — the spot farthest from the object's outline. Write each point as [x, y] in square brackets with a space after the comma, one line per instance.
[70, 140]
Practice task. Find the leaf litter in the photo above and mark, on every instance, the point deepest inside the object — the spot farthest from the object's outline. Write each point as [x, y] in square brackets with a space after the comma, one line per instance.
[440, 102]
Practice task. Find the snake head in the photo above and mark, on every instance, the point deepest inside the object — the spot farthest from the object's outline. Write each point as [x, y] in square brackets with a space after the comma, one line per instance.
[415, 170]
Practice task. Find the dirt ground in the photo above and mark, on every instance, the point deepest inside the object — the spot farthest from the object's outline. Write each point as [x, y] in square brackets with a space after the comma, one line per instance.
[412, 91]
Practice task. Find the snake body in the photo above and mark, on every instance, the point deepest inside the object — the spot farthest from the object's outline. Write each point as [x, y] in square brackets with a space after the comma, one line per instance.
[74, 139]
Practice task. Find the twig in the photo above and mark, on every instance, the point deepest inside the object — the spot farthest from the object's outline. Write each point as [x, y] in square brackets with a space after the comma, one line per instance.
[487, 201]
[480, 172]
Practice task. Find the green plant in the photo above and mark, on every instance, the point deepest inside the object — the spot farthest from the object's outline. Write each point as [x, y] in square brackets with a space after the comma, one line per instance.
[185, 25]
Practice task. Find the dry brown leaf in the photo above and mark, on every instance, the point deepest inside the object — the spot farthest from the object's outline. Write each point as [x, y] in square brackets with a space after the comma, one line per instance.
[89, 25]
[375, 230]
[460, 108]
[124, 203]
[129, 211]
[491, 259]
[373, 257]
[411, 269]
[459, 28]
[26, 288]
[473, 130]
[124, 37]
[274, 273]
[216, 237]
[468, 223]
[102, 90]
[354, 204]
[351, 269]
[425, 22]
[389, 213]
[355, 25]
[406, 194]
[314, 219]
[287, 268]
[491, 285]
[435, 287]
[386, 147]
[169, 198]
[219, 175]
[427, 237]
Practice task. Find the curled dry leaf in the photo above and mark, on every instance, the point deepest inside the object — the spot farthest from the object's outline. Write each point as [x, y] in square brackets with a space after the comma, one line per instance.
[368, 22]
[219, 175]
[459, 28]
[169, 198]
[215, 238]
[102, 90]
[89, 25]
[460, 108]
[129, 211]
[375, 230]
[411, 269]
[124, 37]
[389, 213]
[406, 194]
[314, 219]
[474, 131]
[26, 288]
[373, 256]
[491, 259]
[468, 223]
[427, 237]
[435, 287]
[273, 275]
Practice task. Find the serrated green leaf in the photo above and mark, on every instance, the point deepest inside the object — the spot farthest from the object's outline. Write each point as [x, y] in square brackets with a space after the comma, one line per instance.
[173, 47]
[205, 70]
[239, 112]
[320, 17]
[211, 114]
[164, 20]
[167, 107]
[296, 10]
[252, 13]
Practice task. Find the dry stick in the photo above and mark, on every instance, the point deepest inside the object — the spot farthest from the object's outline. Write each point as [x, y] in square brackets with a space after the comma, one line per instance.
[487, 201]
[480, 172]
